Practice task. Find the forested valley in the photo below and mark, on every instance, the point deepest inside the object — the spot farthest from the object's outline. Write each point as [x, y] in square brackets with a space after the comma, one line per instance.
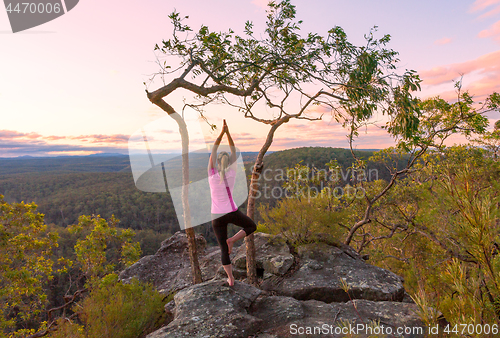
[94, 199]
[442, 213]
[66, 188]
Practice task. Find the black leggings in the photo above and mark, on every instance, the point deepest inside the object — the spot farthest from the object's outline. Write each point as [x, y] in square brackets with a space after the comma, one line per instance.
[220, 228]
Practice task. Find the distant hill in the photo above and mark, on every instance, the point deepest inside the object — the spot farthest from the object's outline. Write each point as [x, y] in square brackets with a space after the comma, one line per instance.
[91, 163]
[67, 187]
[102, 163]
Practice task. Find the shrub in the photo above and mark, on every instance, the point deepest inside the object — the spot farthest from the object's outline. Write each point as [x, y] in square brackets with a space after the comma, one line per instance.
[115, 309]
[297, 219]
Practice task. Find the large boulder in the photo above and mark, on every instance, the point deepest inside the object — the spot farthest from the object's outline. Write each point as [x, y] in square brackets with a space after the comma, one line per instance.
[323, 270]
[277, 311]
[324, 286]
[169, 268]
[212, 309]
[329, 274]
[272, 255]
[287, 317]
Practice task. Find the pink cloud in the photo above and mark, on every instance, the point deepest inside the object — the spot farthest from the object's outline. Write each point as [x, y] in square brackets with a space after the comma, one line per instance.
[14, 143]
[137, 138]
[323, 133]
[96, 138]
[33, 135]
[442, 41]
[11, 134]
[481, 5]
[260, 3]
[245, 137]
[99, 138]
[488, 84]
[493, 32]
[488, 66]
[329, 134]
[54, 138]
[116, 138]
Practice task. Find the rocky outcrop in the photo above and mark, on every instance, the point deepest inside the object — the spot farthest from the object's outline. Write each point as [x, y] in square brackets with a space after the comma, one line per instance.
[323, 270]
[273, 256]
[213, 309]
[321, 286]
[287, 317]
[169, 268]
[328, 274]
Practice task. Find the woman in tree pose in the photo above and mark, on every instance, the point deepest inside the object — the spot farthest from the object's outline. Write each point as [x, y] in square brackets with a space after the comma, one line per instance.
[221, 177]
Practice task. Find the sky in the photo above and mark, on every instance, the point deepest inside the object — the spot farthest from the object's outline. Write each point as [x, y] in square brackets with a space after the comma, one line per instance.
[75, 85]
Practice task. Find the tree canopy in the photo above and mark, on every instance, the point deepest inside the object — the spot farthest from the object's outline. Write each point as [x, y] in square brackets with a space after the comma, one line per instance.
[287, 71]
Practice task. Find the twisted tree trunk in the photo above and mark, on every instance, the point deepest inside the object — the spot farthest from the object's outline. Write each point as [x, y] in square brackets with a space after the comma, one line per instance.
[193, 254]
[252, 196]
[249, 240]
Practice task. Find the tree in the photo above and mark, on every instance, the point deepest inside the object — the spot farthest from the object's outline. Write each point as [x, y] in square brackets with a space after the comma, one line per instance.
[290, 74]
[27, 266]
[448, 251]
[24, 265]
[114, 309]
[491, 140]
[435, 222]
[438, 120]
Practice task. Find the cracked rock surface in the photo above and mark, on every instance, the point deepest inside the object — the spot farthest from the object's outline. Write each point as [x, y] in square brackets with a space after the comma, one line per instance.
[325, 271]
[300, 292]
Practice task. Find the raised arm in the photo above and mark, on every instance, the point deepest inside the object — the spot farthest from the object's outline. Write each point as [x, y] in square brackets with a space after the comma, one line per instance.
[232, 159]
[213, 155]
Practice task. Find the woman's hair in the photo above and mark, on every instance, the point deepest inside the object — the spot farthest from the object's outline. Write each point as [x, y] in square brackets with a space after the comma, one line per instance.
[222, 164]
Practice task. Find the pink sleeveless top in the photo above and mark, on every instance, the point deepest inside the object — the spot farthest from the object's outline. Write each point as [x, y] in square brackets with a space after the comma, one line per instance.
[221, 201]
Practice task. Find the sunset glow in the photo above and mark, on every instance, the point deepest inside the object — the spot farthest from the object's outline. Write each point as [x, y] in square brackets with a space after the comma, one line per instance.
[74, 86]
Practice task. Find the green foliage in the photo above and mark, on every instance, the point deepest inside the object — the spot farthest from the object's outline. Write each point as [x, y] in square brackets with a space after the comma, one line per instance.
[316, 156]
[114, 309]
[273, 68]
[64, 196]
[447, 249]
[438, 119]
[319, 157]
[66, 329]
[91, 251]
[472, 192]
[27, 264]
[25, 267]
[491, 140]
[150, 240]
[307, 207]
[322, 200]
[318, 161]
[299, 218]
[436, 222]
[302, 181]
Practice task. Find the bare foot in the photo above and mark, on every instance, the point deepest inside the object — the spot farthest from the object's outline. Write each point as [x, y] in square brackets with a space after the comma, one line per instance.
[229, 245]
[230, 281]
